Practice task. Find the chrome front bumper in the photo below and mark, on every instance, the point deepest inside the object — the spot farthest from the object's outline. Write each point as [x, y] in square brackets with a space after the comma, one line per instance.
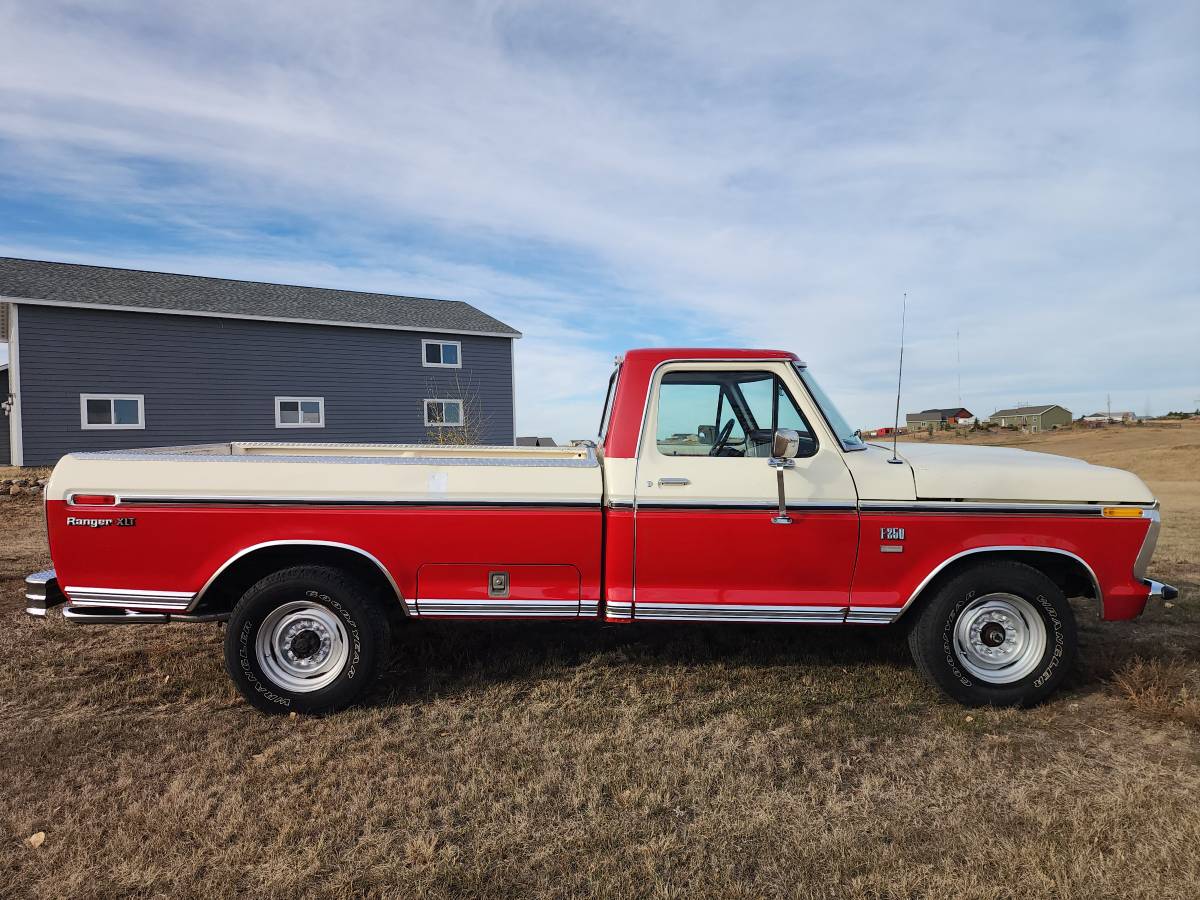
[1160, 591]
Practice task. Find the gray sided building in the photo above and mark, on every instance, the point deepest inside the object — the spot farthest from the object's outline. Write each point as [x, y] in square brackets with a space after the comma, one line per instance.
[103, 358]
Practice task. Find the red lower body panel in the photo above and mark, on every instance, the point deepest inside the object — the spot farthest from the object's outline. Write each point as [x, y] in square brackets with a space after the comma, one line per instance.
[553, 556]
[178, 548]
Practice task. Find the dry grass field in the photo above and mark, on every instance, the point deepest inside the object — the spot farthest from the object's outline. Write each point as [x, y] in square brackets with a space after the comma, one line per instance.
[566, 760]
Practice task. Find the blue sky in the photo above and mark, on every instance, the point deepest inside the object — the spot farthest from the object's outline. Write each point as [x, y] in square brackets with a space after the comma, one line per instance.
[605, 175]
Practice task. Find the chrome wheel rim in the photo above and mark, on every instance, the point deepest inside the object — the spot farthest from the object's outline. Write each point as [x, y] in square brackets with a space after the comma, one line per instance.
[302, 646]
[1000, 638]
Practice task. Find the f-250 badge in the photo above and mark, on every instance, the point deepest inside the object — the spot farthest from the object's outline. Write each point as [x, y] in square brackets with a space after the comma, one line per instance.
[891, 534]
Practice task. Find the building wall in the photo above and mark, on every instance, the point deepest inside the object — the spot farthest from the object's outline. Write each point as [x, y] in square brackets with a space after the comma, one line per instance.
[209, 379]
[1042, 421]
[5, 452]
[1057, 416]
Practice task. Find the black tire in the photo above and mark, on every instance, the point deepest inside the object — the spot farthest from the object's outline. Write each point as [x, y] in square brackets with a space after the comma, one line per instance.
[324, 604]
[946, 660]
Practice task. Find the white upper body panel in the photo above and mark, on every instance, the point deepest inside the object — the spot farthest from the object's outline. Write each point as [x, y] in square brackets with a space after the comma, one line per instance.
[336, 472]
[383, 472]
[957, 472]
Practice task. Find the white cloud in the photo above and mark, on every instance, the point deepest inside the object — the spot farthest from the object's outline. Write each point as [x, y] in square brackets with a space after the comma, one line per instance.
[602, 173]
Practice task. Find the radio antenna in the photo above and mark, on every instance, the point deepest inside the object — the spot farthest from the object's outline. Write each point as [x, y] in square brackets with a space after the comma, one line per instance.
[896, 460]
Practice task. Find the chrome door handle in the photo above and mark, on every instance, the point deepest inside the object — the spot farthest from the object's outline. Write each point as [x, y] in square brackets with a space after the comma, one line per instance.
[664, 482]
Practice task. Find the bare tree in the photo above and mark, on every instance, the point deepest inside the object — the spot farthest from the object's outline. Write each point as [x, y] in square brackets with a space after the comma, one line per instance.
[441, 427]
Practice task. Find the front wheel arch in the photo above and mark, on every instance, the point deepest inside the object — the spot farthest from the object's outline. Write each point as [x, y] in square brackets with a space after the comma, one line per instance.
[1070, 572]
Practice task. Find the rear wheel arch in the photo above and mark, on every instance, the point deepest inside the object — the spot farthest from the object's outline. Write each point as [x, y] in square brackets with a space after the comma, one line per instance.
[246, 567]
[1069, 571]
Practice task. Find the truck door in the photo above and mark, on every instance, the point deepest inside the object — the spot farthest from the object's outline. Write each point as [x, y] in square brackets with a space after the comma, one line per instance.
[708, 543]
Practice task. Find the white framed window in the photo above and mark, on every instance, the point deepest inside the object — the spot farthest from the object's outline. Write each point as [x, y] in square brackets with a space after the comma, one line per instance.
[112, 411]
[299, 412]
[441, 354]
[443, 413]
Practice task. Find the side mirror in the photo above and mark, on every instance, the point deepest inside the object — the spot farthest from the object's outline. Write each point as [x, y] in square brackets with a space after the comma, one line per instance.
[785, 444]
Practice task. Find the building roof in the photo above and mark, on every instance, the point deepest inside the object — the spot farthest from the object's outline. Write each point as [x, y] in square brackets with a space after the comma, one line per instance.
[927, 414]
[1027, 410]
[67, 284]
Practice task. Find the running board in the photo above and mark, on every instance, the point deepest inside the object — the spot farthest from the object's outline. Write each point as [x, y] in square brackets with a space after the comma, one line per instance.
[96, 616]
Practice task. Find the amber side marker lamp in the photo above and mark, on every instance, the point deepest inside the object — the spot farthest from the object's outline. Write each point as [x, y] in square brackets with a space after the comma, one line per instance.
[1122, 512]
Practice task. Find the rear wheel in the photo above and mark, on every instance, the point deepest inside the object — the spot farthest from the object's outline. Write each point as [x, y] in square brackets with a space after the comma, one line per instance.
[998, 634]
[306, 639]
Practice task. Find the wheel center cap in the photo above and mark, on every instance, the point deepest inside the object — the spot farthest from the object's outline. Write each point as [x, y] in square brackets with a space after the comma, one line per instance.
[305, 644]
[992, 634]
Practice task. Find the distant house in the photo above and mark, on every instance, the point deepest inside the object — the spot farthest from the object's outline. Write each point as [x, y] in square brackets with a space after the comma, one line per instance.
[536, 442]
[937, 418]
[1110, 417]
[1035, 418]
[108, 359]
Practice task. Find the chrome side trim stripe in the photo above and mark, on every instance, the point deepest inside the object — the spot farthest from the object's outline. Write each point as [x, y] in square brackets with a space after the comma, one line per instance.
[875, 507]
[872, 615]
[966, 507]
[439, 503]
[127, 597]
[618, 610]
[517, 609]
[589, 608]
[235, 453]
[797, 506]
[738, 612]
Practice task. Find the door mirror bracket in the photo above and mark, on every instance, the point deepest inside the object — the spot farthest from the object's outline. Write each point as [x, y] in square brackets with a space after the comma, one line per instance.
[785, 447]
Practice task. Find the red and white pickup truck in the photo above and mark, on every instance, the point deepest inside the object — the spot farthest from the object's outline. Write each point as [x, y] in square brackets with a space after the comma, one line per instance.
[725, 487]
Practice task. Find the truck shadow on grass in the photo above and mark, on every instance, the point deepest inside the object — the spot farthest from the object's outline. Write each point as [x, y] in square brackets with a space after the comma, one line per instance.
[439, 659]
[436, 660]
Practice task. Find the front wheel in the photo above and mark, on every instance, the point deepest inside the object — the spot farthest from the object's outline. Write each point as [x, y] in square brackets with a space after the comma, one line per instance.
[998, 634]
[307, 639]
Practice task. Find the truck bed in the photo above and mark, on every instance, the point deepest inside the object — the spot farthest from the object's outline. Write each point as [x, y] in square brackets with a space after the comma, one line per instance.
[298, 471]
[149, 529]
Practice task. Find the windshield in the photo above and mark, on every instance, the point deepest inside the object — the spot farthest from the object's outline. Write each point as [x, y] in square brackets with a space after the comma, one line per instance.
[845, 434]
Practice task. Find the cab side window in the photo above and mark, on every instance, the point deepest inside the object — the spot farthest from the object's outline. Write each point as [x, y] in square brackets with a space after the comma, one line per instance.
[725, 414]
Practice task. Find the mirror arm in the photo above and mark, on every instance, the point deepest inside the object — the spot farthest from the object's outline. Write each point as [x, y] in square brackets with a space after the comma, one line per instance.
[779, 465]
